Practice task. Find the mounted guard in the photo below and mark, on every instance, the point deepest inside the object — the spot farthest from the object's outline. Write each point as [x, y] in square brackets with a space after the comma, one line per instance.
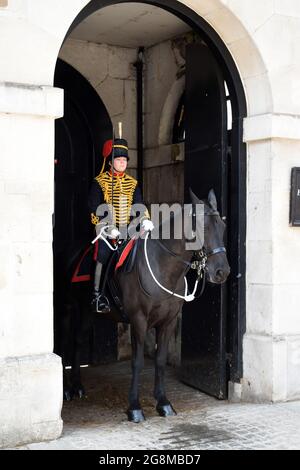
[118, 192]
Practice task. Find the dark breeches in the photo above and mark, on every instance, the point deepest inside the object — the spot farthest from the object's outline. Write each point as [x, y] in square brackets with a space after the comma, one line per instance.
[104, 253]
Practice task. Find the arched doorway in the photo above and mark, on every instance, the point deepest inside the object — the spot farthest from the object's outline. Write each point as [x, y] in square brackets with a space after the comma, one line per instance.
[225, 327]
[79, 138]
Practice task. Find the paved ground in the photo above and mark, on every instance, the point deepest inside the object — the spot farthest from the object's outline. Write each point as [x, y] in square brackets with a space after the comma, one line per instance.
[99, 421]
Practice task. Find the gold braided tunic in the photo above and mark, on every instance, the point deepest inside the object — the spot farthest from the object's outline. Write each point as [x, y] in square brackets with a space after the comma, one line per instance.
[125, 193]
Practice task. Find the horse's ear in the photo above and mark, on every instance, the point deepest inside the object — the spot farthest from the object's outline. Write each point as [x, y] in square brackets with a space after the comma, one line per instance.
[194, 198]
[212, 199]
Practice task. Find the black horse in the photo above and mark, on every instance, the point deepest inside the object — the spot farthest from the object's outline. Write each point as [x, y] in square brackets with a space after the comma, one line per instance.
[153, 294]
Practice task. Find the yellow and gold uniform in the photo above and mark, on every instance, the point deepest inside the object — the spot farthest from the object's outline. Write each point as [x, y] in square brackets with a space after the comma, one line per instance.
[125, 193]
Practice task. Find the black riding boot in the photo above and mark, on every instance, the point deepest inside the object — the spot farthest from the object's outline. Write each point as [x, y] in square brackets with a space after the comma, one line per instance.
[99, 302]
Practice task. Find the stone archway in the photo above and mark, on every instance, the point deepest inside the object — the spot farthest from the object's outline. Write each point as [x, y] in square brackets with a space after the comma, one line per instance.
[238, 101]
[29, 105]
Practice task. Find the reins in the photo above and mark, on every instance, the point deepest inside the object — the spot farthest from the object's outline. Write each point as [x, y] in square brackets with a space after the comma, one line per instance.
[187, 297]
[199, 265]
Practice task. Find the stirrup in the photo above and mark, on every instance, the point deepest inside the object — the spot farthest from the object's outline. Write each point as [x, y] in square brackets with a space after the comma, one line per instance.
[101, 304]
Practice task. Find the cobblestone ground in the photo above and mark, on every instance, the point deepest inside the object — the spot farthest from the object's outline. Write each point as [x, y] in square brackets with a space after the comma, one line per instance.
[99, 421]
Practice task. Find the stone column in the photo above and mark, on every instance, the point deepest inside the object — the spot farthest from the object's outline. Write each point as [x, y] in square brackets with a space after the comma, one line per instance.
[272, 340]
[30, 374]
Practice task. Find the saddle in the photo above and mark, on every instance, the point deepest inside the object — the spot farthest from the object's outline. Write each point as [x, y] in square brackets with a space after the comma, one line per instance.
[122, 260]
[126, 256]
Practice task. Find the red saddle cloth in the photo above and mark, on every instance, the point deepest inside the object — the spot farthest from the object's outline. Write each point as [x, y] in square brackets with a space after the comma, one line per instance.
[125, 253]
[83, 267]
[82, 271]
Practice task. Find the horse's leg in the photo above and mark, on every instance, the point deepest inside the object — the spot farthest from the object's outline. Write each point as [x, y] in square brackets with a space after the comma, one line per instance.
[64, 343]
[77, 388]
[164, 332]
[81, 324]
[138, 332]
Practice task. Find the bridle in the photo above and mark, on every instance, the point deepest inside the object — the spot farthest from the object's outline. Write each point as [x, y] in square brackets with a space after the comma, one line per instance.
[199, 264]
[202, 254]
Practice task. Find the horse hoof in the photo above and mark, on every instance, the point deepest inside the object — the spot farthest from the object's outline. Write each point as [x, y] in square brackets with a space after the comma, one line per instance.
[136, 416]
[67, 395]
[79, 392]
[166, 410]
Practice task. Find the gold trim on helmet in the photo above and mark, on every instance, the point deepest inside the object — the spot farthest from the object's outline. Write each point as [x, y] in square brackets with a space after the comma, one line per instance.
[120, 147]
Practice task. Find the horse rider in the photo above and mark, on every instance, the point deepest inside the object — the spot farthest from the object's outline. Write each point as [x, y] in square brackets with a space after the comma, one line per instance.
[119, 191]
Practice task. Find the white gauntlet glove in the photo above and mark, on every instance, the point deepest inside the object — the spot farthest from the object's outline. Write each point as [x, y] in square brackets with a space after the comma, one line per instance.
[147, 225]
[113, 233]
[106, 231]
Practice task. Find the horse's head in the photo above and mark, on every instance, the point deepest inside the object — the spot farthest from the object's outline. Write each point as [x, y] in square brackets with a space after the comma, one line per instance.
[217, 267]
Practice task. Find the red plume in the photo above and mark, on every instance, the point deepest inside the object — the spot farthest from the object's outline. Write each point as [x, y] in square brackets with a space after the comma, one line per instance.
[107, 148]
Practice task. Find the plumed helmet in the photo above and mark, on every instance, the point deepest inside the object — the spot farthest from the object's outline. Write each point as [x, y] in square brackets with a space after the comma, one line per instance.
[120, 149]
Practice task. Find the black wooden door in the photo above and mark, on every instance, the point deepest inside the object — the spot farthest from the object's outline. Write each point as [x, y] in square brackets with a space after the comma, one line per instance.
[79, 138]
[204, 320]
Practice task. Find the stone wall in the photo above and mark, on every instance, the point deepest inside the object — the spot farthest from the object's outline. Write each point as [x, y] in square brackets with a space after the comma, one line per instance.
[30, 375]
[111, 72]
[272, 340]
[164, 85]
